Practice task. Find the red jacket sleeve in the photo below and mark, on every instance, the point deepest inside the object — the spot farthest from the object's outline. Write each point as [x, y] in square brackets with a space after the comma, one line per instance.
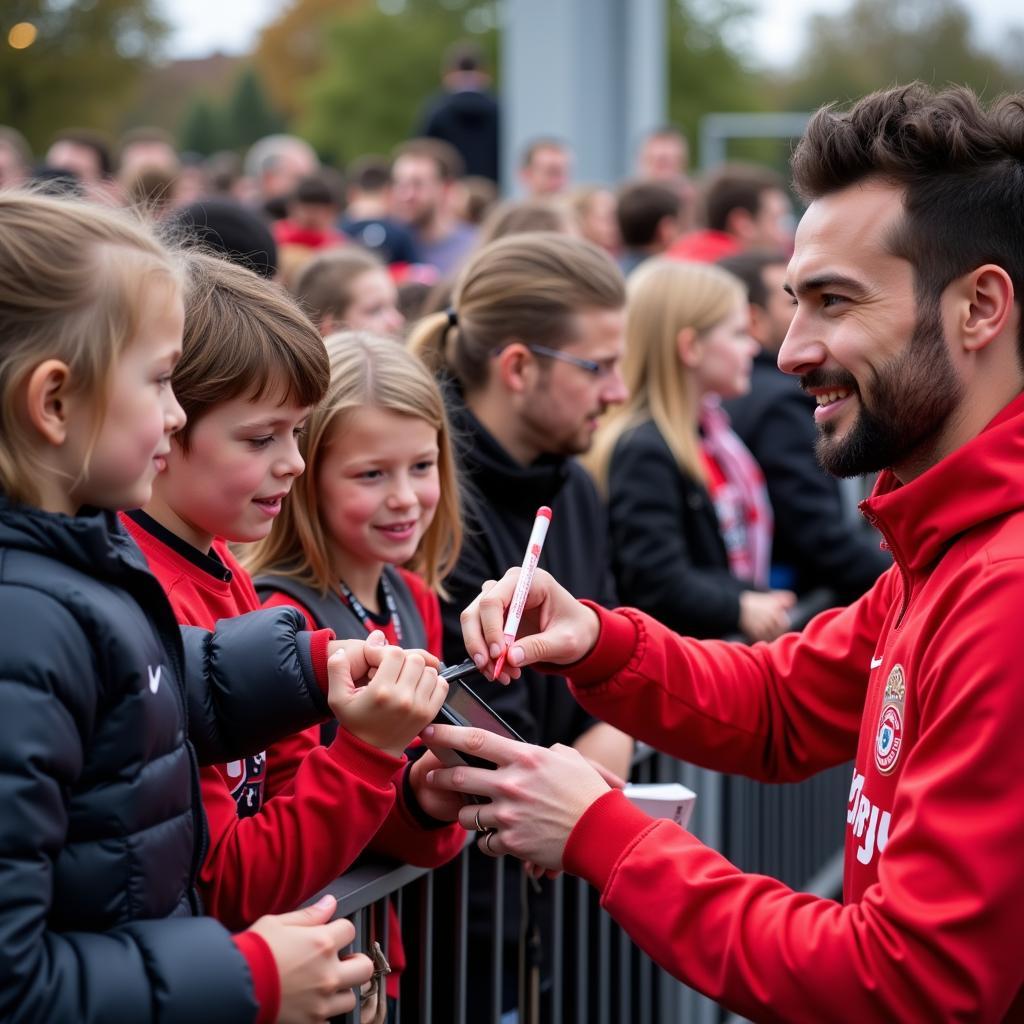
[777, 712]
[266, 980]
[284, 759]
[938, 935]
[405, 838]
[300, 840]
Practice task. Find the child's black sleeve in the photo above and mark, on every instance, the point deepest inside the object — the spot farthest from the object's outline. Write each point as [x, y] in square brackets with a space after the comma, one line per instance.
[249, 683]
[53, 966]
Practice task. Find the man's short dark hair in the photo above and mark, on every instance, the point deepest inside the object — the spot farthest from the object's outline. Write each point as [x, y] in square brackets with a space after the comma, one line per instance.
[640, 207]
[88, 139]
[369, 174]
[961, 167]
[737, 187]
[447, 159]
[462, 56]
[531, 149]
[320, 189]
[749, 267]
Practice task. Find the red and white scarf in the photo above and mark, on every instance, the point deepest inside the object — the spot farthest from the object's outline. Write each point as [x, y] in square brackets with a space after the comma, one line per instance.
[739, 495]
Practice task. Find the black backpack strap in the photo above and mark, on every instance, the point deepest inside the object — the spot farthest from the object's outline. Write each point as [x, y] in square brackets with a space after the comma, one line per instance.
[329, 611]
[414, 633]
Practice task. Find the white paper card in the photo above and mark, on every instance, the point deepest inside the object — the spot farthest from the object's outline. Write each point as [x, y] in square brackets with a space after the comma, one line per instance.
[670, 800]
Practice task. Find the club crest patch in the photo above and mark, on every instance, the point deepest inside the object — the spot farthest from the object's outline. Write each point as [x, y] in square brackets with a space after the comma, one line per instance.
[889, 738]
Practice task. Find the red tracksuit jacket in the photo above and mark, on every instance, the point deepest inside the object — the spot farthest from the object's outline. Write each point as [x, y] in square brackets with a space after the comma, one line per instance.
[921, 681]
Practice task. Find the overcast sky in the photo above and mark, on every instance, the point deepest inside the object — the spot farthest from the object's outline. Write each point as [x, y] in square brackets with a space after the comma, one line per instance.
[200, 26]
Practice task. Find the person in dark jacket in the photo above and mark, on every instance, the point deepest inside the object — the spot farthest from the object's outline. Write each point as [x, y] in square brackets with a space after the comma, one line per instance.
[531, 358]
[690, 521]
[817, 542]
[466, 115]
[105, 706]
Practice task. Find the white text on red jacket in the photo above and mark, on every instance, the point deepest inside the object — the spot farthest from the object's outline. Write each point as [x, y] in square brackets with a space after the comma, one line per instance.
[869, 823]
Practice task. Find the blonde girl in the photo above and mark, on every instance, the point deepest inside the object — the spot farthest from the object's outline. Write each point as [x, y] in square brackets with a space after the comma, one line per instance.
[690, 520]
[369, 532]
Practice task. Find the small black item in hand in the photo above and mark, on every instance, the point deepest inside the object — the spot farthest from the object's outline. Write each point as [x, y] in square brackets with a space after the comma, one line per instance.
[464, 707]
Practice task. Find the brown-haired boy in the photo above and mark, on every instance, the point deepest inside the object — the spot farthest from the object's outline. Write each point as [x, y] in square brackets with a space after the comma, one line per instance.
[252, 368]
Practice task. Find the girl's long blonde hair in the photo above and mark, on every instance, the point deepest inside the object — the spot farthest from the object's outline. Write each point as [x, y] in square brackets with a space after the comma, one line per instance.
[73, 286]
[665, 297]
[366, 371]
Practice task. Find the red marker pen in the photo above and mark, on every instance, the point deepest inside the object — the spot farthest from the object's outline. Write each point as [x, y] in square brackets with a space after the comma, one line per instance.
[515, 609]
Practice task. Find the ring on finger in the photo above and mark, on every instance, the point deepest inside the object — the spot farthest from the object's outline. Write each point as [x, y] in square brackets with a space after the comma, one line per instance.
[488, 836]
[479, 827]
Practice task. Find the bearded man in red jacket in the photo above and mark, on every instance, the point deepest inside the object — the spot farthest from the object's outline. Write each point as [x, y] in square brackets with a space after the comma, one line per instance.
[908, 273]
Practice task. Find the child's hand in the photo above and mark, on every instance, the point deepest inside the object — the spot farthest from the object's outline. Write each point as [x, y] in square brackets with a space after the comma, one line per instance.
[402, 697]
[316, 982]
[360, 668]
[438, 803]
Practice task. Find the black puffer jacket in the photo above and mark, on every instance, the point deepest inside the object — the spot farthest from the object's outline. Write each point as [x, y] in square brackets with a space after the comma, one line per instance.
[101, 829]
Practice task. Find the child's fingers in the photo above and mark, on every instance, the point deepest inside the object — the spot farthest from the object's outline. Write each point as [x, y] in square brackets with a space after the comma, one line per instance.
[435, 697]
[390, 661]
[412, 670]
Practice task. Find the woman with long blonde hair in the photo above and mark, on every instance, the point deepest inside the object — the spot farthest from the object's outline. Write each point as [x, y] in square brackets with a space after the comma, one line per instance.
[690, 519]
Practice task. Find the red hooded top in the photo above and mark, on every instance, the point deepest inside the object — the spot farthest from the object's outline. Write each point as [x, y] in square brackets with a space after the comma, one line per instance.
[921, 681]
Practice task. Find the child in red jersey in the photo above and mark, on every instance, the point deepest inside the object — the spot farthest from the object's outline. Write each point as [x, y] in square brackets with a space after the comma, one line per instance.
[379, 500]
[252, 368]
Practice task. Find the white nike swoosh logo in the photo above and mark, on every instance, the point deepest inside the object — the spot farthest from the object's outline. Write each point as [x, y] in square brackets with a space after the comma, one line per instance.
[875, 662]
[154, 677]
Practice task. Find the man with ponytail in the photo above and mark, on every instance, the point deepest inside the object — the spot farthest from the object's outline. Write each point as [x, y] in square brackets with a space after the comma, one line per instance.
[529, 353]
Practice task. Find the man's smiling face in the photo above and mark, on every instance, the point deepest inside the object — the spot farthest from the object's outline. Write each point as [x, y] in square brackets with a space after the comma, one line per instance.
[877, 362]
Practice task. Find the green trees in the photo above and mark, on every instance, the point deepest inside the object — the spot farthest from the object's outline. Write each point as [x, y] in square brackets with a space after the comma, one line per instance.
[370, 67]
[878, 43]
[82, 68]
[246, 116]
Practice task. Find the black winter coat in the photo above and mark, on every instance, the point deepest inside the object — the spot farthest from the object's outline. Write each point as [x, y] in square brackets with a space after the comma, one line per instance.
[105, 704]
[669, 557]
[816, 543]
[469, 121]
[501, 500]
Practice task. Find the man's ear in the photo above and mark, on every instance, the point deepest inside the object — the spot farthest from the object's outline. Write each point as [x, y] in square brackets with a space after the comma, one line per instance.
[47, 402]
[516, 367]
[688, 348]
[983, 301]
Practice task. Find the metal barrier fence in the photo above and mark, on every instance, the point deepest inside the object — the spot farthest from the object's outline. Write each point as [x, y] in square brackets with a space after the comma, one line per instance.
[597, 975]
[593, 974]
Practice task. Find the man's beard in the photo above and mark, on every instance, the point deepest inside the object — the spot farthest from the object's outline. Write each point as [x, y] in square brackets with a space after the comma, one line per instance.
[910, 401]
